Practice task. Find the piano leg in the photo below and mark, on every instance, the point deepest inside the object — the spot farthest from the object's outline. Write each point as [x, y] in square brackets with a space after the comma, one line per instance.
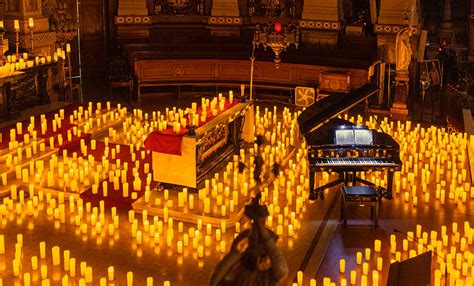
[388, 195]
[312, 194]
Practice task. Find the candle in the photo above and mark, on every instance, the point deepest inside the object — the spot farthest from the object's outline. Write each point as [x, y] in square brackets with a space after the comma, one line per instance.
[353, 277]
[26, 279]
[65, 280]
[2, 244]
[72, 267]
[378, 245]
[358, 258]
[42, 250]
[68, 48]
[129, 278]
[31, 23]
[1, 24]
[110, 273]
[56, 255]
[16, 25]
[342, 265]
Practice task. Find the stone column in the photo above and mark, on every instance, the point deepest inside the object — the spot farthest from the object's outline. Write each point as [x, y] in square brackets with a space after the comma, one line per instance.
[394, 16]
[132, 7]
[321, 22]
[22, 10]
[225, 18]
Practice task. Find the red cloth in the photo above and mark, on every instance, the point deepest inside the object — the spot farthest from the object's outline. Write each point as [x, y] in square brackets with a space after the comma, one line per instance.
[168, 142]
[165, 141]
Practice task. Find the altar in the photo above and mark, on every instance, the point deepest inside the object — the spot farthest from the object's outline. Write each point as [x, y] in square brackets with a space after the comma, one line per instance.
[185, 158]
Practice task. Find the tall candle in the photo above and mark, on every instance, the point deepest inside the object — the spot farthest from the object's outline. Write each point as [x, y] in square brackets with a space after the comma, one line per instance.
[16, 25]
[110, 273]
[31, 23]
[56, 255]
[129, 278]
[72, 267]
[342, 265]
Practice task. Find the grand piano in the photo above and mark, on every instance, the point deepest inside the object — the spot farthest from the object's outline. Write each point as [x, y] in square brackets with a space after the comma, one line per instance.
[328, 151]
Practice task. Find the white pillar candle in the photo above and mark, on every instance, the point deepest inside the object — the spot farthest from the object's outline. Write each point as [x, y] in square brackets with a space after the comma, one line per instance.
[56, 255]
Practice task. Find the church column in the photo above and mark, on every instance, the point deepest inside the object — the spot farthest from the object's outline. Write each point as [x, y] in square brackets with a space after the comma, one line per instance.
[321, 22]
[225, 18]
[132, 20]
[394, 16]
[22, 10]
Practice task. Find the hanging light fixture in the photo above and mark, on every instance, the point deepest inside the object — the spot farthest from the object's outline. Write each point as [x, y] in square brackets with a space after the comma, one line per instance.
[277, 36]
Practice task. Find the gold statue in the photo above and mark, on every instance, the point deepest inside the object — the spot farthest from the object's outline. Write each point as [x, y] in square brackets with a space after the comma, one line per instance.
[403, 50]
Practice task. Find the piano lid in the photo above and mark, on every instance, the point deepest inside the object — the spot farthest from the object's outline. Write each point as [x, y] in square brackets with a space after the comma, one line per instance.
[329, 107]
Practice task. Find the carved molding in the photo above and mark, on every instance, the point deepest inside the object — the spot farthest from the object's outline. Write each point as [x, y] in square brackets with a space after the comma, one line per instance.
[224, 21]
[320, 25]
[168, 72]
[392, 29]
[133, 20]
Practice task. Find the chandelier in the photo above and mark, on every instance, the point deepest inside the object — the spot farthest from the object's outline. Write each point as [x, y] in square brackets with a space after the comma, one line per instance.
[276, 36]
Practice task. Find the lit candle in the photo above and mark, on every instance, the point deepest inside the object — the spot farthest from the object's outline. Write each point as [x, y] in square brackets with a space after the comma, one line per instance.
[2, 244]
[342, 265]
[72, 267]
[16, 25]
[42, 250]
[129, 278]
[110, 273]
[68, 48]
[56, 255]
[31, 23]
[377, 245]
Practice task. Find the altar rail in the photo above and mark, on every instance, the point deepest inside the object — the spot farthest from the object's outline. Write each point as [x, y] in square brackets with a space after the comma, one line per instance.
[223, 72]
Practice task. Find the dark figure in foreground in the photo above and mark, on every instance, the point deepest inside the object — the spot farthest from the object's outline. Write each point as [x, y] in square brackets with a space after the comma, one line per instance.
[254, 258]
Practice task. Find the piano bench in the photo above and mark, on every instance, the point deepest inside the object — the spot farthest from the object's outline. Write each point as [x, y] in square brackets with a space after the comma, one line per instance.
[362, 196]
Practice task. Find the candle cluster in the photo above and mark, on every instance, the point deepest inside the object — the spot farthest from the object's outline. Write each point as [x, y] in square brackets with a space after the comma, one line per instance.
[435, 173]
[54, 265]
[89, 156]
[15, 63]
[54, 193]
[179, 118]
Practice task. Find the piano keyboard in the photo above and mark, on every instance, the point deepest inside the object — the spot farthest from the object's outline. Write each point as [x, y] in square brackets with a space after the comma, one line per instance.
[360, 162]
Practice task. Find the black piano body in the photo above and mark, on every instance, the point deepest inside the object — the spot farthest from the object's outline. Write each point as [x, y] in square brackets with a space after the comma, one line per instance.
[318, 123]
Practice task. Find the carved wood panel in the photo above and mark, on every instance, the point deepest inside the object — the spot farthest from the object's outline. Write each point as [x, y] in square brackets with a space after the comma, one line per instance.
[173, 71]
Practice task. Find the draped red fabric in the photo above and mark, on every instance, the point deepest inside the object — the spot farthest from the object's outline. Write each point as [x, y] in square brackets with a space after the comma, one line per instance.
[169, 142]
[165, 141]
